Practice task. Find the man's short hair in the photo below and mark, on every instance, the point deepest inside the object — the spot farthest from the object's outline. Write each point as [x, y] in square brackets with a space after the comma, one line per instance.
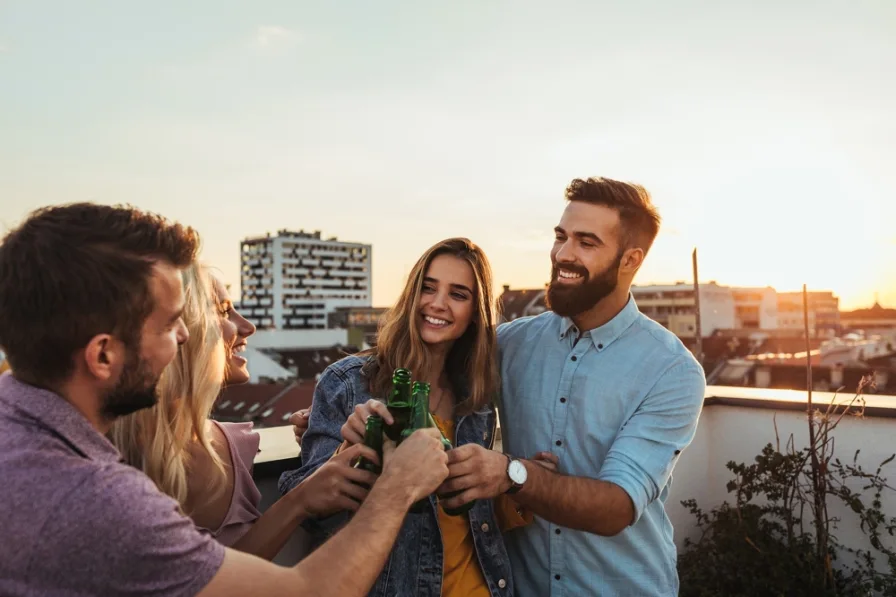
[639, 219]
[71, 272]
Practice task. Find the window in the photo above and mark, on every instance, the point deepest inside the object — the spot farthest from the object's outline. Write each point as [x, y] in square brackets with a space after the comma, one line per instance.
[285, 417]
[267, 413]
[254, 407]
[239, 406]
[224, 404]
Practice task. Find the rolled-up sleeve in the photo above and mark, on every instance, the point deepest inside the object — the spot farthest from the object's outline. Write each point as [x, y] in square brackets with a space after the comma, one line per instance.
[645, 451]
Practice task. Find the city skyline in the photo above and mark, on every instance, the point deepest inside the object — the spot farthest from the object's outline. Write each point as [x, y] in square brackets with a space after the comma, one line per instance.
[499, 286]
[765, 133]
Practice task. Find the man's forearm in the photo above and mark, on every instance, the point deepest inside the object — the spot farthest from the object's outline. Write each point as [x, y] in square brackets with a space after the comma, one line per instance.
[349, 562]
[273, 529]
[578, 503]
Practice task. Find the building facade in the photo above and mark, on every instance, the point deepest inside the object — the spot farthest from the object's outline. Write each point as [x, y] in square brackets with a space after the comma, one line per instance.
[755, 308]
[294, 280]
[675, 307]
[823, 311]
[361, 323]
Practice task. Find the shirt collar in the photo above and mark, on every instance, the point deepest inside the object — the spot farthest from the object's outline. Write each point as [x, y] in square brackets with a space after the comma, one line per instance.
[56, 414]
[606, 334]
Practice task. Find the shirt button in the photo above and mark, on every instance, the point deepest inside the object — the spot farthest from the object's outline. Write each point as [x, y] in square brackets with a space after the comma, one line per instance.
[484, 527]
[559, 443]
[557, 531]
[600, 346]
[562, 400]
[557, 577]
[502, 583]
[575, 358]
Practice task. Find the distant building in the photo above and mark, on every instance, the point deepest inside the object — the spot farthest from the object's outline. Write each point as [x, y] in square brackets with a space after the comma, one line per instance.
[294, 280]
[823, 312]
[836, 363]
[524, 302]
[755, 308]
[361, 323]
[307, 364]
[265, 368]
[670, 305]
[675, 307]
[874, 318]
[264, 404]
[722, 308]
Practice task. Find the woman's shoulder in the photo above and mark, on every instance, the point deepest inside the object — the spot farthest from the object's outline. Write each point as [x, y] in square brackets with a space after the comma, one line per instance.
[239, 438]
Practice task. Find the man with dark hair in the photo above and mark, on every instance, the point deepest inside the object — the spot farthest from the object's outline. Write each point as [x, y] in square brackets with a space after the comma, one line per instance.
[90, 315]
[614, 395]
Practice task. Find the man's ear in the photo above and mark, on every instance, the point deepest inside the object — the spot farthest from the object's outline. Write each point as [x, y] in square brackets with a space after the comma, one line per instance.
[631, 260]
[102, 355]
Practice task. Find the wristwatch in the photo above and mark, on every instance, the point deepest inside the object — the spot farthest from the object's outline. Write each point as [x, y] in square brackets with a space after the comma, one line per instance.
[517, 472]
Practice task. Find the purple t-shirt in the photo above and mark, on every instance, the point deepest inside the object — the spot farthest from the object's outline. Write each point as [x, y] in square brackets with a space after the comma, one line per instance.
[75, 520]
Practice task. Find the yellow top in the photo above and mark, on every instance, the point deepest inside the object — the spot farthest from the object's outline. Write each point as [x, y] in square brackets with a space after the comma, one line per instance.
[461, 574]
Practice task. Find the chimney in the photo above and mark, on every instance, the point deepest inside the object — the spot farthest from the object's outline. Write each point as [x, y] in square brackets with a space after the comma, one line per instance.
[507, 288]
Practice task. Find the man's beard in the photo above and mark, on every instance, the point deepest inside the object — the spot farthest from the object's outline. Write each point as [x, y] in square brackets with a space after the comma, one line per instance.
[135, 390]
[571, 300]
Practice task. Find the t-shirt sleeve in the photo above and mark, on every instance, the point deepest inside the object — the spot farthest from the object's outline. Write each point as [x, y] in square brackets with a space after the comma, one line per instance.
[127, 538]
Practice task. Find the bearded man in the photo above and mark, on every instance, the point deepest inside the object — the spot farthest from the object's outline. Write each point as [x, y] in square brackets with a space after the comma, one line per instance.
[614, 395]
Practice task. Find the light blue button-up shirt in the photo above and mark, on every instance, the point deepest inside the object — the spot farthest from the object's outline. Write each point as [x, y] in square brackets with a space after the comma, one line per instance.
[618, 403]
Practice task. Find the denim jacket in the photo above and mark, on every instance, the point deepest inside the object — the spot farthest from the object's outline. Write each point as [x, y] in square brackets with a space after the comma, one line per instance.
[414, 568]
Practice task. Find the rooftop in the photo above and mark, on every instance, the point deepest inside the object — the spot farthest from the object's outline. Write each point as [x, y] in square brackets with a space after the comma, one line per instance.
[876, 311]
[521, 302]
[266, 405]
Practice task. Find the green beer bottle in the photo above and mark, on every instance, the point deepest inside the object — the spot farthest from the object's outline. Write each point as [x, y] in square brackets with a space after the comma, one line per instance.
[373, 439]
[422, 413]
[421, 419]
[399, 404]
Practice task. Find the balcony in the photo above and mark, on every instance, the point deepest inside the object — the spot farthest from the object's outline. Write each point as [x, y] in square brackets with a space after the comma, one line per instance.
[735, 425]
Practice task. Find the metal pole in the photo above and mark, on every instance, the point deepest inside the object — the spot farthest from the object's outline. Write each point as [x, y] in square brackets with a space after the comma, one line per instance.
[698, 347]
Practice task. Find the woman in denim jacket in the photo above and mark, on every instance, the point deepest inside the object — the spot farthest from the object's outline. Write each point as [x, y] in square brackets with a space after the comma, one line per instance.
[442, 328]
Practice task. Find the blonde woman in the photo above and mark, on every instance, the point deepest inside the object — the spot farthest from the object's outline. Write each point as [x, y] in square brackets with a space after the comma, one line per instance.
[442, 328]
[206, 465]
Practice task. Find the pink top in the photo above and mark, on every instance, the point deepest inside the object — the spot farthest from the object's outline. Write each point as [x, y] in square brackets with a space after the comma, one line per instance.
[243, 511]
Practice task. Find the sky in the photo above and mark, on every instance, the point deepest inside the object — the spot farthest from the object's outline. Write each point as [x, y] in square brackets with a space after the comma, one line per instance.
[765, 131]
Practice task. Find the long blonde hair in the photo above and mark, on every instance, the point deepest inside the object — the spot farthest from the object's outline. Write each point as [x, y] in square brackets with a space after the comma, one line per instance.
[471, 364]
[157, 440]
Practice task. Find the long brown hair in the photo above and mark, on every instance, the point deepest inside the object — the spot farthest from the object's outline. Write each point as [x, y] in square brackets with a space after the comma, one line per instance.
[471, 364]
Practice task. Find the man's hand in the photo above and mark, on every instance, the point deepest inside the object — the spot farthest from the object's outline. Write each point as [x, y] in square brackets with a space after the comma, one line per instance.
[355, 425]
[334, 486]
[480, 473]
[299, 422]
[477, 472]
[416, 467]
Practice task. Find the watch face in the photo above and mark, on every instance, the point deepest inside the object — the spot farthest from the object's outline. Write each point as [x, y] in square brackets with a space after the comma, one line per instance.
[517, 471]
